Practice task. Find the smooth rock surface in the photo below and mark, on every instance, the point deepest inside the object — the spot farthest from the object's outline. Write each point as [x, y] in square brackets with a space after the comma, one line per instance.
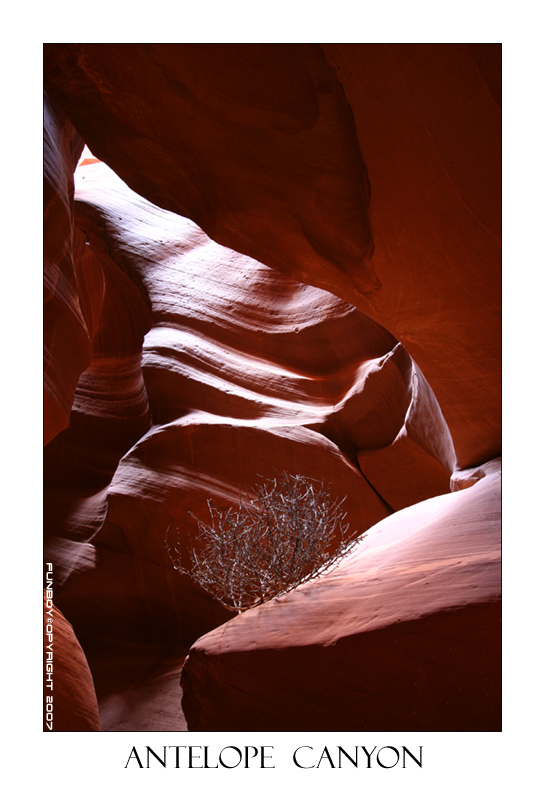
[178, 369]
[243, 373]
[428, 118]
[257, 144]
[402, 635]
[74, 706]
[67, 349]
[254, 142]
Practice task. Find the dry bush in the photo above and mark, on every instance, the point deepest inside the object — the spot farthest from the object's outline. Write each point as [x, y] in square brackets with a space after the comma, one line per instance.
[283, 533]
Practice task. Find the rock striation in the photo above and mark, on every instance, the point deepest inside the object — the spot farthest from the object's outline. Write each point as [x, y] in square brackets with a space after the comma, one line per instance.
[261, 145]
[255, 143]
[67, 349]
[218, 309]
[242, 372]
[75, 704]
[403, 635]
[428, 122]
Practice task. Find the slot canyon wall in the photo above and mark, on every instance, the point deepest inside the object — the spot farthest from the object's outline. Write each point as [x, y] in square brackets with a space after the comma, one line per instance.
[277, 257]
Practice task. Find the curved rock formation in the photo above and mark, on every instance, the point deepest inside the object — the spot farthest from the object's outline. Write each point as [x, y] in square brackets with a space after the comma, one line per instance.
[257, 144]
[74, 705]
[403, 635]
[246, 372]
[67, 349]
[110, 410]
[428, 118]
[180, 367]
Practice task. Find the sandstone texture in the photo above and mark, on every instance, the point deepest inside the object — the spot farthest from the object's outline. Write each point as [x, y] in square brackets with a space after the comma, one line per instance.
[67, 348]
[208, 370]
[429, 125]
[75, 704]
[404, 634]
[261, 145]
[226, 299]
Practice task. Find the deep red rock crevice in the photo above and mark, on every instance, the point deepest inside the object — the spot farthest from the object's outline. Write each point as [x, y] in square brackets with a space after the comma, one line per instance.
[348, 334]
[67, 349]
[70, 683]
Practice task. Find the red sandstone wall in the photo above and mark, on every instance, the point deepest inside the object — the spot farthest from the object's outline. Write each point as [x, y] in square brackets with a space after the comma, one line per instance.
[404, 635]
[74, 700]
[278, 174]
[180, 369]
[66, 340]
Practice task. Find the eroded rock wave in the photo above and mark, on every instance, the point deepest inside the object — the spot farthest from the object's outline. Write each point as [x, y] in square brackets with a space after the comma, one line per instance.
[403, 635]
[243, 373]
